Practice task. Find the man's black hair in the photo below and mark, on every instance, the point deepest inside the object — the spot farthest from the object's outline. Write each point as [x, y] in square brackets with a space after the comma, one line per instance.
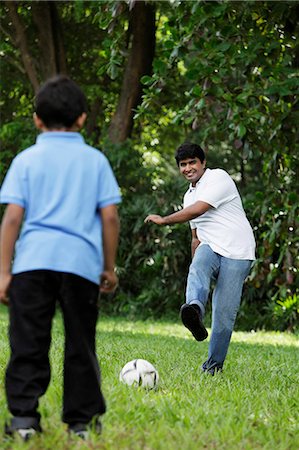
[60, 102]
[189, 150]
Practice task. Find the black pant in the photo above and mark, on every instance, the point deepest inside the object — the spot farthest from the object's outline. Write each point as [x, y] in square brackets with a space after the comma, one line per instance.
[33, 297]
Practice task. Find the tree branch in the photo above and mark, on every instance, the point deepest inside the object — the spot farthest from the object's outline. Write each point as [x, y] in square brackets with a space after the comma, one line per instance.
[21, 42]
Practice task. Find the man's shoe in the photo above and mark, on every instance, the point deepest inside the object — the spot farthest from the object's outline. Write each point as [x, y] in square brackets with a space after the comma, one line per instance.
[191, 318]
[211, 369]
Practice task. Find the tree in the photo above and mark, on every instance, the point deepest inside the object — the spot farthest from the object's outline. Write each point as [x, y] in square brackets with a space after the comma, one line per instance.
[40, 22]
[51, 59]
[139, 63]
[236, 64]
[224, 74]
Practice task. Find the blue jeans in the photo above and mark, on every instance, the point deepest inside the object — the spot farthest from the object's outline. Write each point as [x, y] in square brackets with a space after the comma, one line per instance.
[229, 275]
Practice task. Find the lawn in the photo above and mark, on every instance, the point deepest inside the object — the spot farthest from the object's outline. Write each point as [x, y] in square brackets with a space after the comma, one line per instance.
[253, 404]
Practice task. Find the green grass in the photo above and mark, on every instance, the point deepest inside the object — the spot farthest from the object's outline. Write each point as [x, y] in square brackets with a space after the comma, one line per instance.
[253, 404]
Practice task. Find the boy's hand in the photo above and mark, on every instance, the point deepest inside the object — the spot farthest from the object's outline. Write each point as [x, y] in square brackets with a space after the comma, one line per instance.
[5, 280]
[109, 281]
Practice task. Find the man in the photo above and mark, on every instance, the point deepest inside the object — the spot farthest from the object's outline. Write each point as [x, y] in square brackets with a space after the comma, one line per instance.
[222, 247]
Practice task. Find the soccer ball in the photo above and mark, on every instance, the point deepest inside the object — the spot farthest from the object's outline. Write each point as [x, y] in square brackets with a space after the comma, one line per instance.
[139, 372]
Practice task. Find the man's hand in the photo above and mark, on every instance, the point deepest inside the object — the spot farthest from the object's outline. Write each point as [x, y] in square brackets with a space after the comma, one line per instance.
[109, 281]
[5, 280]
[184, 215]
[155, 218]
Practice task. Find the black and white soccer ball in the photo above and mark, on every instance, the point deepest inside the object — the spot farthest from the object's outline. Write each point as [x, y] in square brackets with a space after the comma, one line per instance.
[139, 372]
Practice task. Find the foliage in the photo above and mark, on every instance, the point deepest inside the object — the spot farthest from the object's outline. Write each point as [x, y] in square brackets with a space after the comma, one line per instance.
[233, 74]
[286, 313]
[14, 136]
[225, 74]
[152, 261]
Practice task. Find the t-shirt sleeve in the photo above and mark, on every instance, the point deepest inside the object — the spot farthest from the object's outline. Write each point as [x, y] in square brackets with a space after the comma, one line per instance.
[13, 187]
[220, 189]
[109, 192]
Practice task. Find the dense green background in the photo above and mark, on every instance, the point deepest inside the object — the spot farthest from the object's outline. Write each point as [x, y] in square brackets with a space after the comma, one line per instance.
[222, 74]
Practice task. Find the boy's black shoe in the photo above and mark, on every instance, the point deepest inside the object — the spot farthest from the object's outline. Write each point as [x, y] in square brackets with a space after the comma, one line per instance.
[191, 318]
[25, 432]
[82, 430]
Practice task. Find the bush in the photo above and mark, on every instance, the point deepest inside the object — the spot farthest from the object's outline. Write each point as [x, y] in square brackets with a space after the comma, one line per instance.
[286, 313]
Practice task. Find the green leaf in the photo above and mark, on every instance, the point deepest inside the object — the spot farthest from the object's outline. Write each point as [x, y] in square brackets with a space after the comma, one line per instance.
[243, 97]
[197, 91]
[146, 79]
[224, 46]
[241, 130]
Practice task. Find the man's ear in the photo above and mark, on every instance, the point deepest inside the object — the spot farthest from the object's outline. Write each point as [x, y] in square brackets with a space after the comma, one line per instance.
[80, 121]
[38, 122]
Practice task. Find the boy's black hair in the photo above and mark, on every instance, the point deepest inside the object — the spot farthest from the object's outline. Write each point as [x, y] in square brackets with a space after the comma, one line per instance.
[60, 102]
[189, 150]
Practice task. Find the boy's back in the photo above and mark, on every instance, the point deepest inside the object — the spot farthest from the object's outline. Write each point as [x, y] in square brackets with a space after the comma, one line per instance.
[67, 194]
[62, 183]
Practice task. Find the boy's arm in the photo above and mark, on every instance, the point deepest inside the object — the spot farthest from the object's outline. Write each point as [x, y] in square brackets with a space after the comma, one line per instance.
[110, 230]
[10, 227]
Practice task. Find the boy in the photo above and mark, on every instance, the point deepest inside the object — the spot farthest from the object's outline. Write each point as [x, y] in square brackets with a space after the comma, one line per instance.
[222, 248]
[66, 194]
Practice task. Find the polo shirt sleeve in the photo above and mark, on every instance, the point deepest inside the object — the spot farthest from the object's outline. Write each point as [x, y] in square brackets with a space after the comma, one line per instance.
[13, 189]
[219, 189]
[109, 192]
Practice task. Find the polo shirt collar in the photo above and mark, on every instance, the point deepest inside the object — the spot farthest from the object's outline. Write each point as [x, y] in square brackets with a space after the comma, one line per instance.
[192, 188]
[66, 135]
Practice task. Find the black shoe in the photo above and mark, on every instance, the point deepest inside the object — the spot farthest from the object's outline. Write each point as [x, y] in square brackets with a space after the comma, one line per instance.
[191, 318]
[211, 369]
[25, 433]
[82, 430]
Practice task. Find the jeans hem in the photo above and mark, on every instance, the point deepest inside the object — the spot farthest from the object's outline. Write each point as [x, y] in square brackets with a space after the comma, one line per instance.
[199, 304]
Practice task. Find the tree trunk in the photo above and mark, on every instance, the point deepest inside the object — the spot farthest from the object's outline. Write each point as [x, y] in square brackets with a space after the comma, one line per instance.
[42, 18]
[142, 25]
[52, 55]
[58, 39]
[51, 59]
[22, 44]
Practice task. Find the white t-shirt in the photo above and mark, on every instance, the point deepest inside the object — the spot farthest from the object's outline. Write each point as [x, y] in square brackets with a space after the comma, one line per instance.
[224, 227]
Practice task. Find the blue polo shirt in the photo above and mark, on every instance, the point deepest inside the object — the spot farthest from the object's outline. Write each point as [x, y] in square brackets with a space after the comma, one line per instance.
[62, 183]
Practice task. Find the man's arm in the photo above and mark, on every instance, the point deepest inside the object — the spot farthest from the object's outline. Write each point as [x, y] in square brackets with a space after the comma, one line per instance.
[10, 228]
[110, 227]
[184, 215]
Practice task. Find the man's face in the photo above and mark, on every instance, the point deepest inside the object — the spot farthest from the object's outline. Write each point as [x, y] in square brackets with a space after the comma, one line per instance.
[192, 169]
